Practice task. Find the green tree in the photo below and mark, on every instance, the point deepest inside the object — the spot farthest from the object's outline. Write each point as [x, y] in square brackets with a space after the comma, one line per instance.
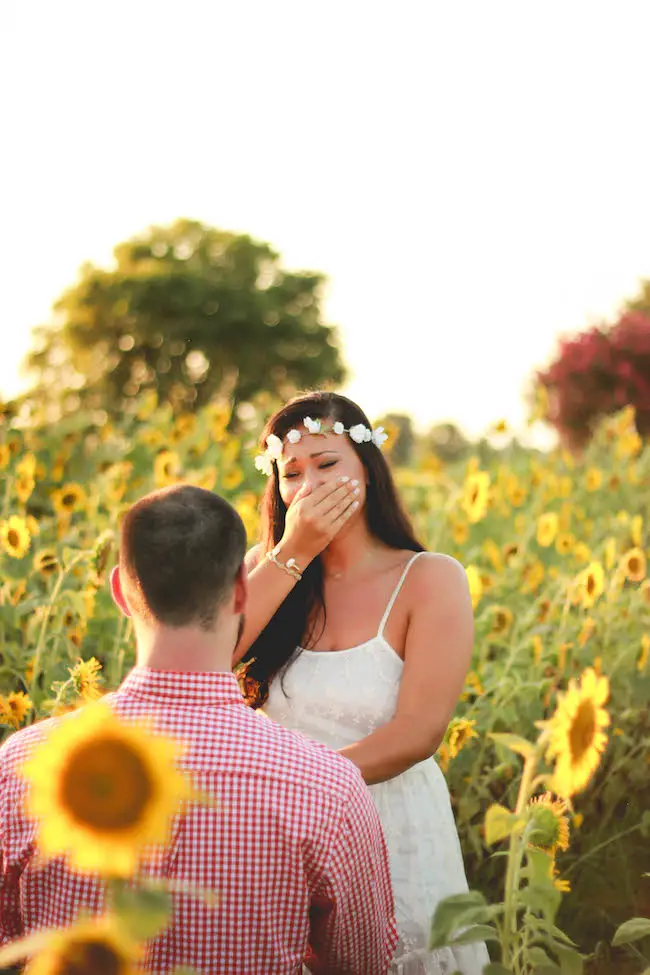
[190, 311]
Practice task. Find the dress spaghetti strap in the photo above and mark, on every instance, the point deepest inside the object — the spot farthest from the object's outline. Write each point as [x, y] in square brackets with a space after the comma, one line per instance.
[392, 599]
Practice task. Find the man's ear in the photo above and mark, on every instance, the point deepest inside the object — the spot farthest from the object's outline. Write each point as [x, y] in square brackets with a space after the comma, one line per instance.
[117, 592]
[241, 589]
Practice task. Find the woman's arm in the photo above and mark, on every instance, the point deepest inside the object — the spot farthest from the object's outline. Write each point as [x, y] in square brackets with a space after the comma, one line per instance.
[437, 656]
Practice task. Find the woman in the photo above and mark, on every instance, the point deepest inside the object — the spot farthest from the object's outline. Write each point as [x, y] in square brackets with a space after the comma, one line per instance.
[359, 639]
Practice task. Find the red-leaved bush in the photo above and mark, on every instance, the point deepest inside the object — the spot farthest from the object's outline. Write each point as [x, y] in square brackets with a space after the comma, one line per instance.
[598, 373]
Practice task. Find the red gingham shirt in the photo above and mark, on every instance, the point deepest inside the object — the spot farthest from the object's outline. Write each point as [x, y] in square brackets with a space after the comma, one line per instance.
[293, 848]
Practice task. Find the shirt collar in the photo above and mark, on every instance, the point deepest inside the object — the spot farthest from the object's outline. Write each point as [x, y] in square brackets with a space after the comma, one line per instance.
[198, 688]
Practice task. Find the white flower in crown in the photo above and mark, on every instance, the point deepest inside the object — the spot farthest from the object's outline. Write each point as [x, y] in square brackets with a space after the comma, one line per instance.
[294, 436]
[338, 427]
[379, 437]
[312, 426]
[264, 464]
[274, 447]
[358, 433]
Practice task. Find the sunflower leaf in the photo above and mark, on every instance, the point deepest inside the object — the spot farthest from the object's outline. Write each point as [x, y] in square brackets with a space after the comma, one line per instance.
[514, 742]
[499, 823]
[632, 930]
[143, 911]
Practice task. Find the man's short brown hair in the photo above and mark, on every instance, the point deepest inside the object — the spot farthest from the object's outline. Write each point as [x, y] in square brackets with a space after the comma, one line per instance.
[180, 551]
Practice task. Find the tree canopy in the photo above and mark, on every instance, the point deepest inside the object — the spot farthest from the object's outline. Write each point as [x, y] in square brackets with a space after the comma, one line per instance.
[192, 312]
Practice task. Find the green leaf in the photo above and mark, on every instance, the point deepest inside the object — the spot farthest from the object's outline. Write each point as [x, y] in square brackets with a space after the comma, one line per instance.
[454, 913]
[495, 968]
[541, 898]
[144, 912]
[514, 743]
[476, 932]
[645, 823]
[570, 960]
[537, 956]
[499, 823]
[632, 930]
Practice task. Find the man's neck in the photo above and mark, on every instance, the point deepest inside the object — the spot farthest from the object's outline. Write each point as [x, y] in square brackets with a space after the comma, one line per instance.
[186, 650]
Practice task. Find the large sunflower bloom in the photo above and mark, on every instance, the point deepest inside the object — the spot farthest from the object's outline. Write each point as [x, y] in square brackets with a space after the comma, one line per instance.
[15, 537]
[576, 737]
[97, 946]
[102, 790]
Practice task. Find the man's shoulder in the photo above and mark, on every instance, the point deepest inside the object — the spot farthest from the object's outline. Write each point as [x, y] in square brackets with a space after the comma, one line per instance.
[310, 762]
[16, 748]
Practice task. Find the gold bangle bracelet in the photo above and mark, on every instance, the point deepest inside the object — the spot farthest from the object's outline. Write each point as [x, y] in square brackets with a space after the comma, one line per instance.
[289, 566]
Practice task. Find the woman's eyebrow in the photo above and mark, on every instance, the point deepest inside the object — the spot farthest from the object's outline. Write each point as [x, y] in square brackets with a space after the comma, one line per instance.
[319, 453]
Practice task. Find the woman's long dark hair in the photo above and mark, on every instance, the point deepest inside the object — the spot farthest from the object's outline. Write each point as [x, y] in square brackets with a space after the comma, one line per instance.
[293, 621]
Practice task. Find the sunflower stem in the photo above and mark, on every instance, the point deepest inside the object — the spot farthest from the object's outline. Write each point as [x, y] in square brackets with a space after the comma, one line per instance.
[63, 573]
[515, 855]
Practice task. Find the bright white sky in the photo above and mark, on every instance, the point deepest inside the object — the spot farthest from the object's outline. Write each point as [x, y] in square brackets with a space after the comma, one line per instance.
[472, 177]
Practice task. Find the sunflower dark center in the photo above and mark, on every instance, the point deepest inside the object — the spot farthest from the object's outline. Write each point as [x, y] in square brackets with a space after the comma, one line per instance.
[13, 538]
[106, 786]
[90, 958]
[582, 731]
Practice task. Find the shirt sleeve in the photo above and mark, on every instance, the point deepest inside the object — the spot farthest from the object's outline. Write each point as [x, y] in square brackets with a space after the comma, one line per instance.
[353, 929]
[10, 918]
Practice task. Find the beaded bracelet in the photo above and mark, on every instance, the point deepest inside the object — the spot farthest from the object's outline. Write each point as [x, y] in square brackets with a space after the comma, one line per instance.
[289, 566]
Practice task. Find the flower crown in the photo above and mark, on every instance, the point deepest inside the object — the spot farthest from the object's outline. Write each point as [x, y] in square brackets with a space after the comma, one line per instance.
[274, 446]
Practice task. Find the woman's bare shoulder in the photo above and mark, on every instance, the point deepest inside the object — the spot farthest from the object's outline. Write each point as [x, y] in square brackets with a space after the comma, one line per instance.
[436, 571]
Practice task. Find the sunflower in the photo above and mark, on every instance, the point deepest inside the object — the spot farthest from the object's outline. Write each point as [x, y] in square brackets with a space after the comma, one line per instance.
[14, 708]
[590, 585]
[538, 648]
[101, 790]
[219, 417]
[564, 543]
[15, 537]
[533, 576]
[501, 620]
[183, 427]
[576, 738]
[475, 584]
[46, 562]
[99, 946]
[166, 468]
[510, 552]
[550, 823]
[459, 733]
[71, 497]
[582, 553]
[476, 496]
[547, 525]
[593, 479]
[460, 532]
[493, 553]
[5, 456]
[84, 675]
[633, 565]
[645, 591]
[233, 479]
[636, 530]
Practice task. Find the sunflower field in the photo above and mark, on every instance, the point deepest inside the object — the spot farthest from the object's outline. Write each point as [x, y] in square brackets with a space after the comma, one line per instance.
[553, 727]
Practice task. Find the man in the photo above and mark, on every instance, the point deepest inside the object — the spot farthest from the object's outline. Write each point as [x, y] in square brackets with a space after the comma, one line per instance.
[292, 847]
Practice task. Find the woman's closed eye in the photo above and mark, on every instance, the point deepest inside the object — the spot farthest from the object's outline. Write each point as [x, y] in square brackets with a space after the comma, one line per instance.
[321, 467]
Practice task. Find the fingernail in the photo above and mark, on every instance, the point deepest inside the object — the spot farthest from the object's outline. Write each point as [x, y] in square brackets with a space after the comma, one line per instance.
[357, 491]
[354, 483]
[355, 504]
[344, 479]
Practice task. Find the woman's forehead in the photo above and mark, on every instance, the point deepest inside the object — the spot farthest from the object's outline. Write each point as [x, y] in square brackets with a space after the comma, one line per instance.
[312, 445]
